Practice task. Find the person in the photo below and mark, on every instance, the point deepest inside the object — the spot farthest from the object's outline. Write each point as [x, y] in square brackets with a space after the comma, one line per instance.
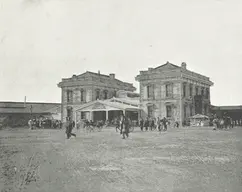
[146, 124]
[126, 127]
[69, 126]
[141, 124]
[164, 122]
[121, 123]
[159, 124]
[30, 124]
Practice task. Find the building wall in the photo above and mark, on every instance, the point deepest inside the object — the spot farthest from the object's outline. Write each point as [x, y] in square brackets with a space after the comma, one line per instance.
[183, 106]
[89, 95]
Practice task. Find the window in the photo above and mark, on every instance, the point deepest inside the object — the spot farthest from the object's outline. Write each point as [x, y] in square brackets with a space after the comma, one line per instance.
[69, 95]
[196, 90]
[169, 90]
[82, 95]
[168, 111]
[191, 89]
[150, 111]
[191, 108]
[207, 93]
[97, 94]
[150, 91]
[184, 89]
[202, 92]
[185, 111]
[69, 112]
[105, 94]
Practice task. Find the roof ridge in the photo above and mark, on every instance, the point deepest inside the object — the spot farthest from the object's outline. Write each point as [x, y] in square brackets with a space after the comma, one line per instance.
[168, 64]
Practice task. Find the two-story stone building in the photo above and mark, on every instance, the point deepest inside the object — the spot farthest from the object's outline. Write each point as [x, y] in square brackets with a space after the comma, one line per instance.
[174, 92]
[81, 89]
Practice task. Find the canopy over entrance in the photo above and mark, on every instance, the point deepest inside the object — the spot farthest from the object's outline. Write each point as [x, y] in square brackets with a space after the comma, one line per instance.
[107, 109]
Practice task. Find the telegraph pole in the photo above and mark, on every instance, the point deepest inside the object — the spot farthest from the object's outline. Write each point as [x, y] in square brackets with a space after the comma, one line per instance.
[181, 102]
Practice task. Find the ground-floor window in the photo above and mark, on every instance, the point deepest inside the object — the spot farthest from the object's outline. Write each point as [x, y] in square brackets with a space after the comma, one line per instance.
[150, 111]
[191, 108]
[168, 111]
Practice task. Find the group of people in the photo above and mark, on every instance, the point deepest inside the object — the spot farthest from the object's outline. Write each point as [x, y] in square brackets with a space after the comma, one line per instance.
[44, 123]
[225, 122]
[153, 123]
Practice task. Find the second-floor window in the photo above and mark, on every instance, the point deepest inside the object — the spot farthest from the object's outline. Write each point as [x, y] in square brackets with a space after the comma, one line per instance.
[82, 95]
[196, 90]
[207, 93]
[191, 89]
[202, 92]
[105, 93]
[150, 91]
[69, 96]
[184, 90]
[97, 94]
[169, 90]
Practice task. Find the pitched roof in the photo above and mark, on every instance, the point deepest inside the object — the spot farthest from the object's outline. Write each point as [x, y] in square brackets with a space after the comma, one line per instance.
[238, 107]
[167, 64]
[20, 107]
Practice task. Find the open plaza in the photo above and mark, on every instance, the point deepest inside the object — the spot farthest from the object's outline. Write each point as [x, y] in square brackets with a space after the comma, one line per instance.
[179, 160]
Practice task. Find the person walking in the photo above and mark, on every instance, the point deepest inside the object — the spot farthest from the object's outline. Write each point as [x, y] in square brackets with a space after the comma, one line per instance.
[141, 124]
[126, 127]
[146, 124]
[69, 126]
[159, 124]
[164, 122]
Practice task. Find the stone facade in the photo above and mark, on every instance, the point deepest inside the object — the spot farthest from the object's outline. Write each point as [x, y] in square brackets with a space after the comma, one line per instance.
[173, 92]
[89, 86]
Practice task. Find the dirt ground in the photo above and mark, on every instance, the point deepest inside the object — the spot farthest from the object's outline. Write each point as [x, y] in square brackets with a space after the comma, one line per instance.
[188, 159]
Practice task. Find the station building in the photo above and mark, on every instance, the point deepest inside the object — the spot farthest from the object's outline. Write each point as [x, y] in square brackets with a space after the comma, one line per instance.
[173, 92]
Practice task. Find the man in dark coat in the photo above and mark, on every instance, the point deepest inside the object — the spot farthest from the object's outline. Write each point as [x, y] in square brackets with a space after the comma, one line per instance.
[126, 127]
[69, 126]
[141, 124]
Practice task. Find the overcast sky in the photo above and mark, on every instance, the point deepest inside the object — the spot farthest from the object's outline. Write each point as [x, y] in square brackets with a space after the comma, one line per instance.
[42, 41]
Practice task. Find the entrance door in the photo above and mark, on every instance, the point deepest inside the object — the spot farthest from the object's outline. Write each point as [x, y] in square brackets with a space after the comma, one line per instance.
[99, 115]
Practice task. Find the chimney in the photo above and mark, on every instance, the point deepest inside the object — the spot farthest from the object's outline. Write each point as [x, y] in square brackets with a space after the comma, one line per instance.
[150, 69]
[98, 72]
[25, 101]
[184, 65]
[112, 75]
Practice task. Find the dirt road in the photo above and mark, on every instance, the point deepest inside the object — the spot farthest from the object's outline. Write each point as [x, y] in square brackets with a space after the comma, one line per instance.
[179, 160]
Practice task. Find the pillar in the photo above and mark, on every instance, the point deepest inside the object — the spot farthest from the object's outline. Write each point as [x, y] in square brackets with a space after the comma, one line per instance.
[124, 112]
[106, 115]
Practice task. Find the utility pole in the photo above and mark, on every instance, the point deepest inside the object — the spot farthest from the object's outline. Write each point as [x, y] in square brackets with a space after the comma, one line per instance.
[181, 102]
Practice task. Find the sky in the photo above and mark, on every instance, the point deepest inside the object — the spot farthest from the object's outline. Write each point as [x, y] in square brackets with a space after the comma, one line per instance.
[43, 41]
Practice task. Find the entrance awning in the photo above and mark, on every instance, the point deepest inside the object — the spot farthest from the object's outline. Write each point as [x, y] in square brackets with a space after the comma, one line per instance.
[106, 105]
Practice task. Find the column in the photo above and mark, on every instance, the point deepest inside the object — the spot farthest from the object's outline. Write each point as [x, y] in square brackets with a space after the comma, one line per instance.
[123, 112]
[106, 115]
[91, 115]
[75, 118]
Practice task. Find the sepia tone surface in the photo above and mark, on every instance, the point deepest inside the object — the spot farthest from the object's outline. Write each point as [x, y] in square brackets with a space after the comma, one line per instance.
[181, 160]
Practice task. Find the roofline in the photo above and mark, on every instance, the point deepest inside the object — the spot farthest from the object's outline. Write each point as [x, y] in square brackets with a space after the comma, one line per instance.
[19, 102]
